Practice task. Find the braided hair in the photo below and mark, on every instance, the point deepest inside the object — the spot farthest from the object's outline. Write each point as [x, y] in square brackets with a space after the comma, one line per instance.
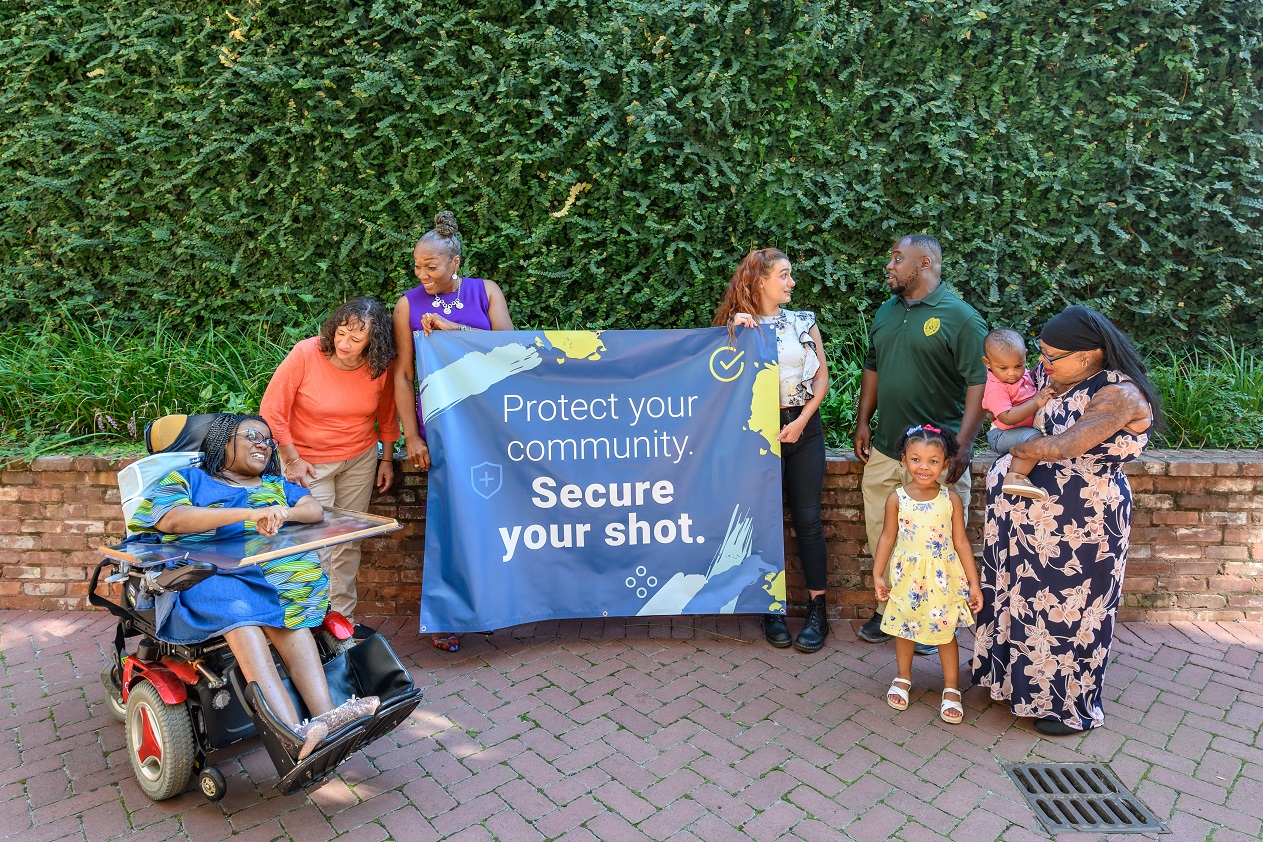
[944, 438]
[215, 446]
[445, 236]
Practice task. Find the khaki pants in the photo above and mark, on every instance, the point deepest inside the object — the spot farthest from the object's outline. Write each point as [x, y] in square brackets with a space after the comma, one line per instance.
[348, 485]
[883, 475]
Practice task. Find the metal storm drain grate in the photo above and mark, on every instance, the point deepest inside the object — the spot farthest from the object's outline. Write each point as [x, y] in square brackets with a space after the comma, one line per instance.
[1081, 797]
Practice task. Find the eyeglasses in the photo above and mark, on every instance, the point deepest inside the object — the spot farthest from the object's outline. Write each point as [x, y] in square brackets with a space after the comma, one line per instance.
[255, 437]
[1050, 359]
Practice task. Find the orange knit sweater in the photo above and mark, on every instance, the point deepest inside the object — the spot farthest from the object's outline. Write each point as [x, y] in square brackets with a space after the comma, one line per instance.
[329, 414]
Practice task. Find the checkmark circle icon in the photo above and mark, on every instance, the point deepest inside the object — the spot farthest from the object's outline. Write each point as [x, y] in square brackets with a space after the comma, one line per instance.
[728, 367]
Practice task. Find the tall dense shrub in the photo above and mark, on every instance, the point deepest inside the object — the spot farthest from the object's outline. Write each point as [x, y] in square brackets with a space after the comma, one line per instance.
[611, 161]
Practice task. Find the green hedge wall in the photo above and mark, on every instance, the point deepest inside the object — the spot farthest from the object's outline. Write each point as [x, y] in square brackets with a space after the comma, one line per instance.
[611, 161]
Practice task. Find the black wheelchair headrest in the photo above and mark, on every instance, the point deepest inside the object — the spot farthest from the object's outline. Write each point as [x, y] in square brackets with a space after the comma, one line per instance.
[177, 433]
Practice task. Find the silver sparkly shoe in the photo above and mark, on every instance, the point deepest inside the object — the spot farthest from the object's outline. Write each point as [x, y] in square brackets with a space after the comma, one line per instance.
[314, 731]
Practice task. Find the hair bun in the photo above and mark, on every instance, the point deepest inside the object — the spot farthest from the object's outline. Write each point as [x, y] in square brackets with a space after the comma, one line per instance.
[445, 225]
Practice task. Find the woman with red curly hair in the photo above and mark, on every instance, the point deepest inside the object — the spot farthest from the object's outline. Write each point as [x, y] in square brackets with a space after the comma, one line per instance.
[761, 284]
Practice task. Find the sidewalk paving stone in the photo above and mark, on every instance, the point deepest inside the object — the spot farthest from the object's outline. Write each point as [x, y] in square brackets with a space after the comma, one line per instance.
[681, 729]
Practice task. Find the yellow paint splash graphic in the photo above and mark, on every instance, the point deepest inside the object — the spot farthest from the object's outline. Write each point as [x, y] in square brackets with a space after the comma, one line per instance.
[574, 344]
[764, 407]
[774, 584]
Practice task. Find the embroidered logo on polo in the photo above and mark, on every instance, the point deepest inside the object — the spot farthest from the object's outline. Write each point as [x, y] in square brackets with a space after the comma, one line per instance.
[930, 327]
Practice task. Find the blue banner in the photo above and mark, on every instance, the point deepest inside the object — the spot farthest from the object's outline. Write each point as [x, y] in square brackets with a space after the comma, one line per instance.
[599, 474]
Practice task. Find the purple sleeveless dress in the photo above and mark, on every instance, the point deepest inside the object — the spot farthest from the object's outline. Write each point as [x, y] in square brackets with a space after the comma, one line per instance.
[472, 293]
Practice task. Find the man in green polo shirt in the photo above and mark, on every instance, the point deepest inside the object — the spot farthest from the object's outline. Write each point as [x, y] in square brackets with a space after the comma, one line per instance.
[924, 366]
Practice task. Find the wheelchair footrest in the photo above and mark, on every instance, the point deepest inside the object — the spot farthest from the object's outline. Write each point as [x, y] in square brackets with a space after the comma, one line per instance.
[391, 715]
[318, 765]
[369, 668]
[324, 761]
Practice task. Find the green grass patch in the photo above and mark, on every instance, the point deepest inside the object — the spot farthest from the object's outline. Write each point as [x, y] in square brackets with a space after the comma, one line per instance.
[1212, 398]
[73, 387]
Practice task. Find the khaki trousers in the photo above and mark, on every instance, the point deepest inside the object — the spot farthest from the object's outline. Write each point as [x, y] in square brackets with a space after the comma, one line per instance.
[348, 485]
[883, 475]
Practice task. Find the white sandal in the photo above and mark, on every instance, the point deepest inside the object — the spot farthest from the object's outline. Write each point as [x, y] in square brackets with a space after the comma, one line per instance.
[956, 707]
[899, 693]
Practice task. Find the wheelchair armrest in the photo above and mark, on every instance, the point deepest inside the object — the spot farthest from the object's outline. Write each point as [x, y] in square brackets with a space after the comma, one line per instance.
[181, 577]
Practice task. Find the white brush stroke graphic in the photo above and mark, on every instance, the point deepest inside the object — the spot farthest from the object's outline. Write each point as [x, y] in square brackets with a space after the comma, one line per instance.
[473, 374]
[737, 545]
[680, 589]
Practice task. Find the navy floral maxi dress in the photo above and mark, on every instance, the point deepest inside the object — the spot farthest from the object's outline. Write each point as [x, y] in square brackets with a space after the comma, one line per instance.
[1052, 571]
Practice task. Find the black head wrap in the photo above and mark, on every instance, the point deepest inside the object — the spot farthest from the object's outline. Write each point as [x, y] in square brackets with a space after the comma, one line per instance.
[1072, 330]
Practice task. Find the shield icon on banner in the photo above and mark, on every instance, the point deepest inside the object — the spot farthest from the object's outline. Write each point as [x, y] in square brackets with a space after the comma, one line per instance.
[486, 477]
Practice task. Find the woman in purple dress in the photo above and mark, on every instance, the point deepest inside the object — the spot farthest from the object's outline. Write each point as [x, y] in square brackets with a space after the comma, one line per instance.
[444, 301]
[1052, 568]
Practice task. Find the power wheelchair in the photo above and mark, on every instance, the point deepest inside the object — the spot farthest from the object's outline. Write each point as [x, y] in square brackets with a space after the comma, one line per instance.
[178, 703]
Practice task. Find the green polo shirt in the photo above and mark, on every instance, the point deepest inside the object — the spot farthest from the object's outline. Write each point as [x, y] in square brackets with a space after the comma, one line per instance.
[926, 356]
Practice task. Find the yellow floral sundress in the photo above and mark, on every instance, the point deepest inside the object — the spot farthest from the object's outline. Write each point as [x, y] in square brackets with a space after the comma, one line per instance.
[929, 593]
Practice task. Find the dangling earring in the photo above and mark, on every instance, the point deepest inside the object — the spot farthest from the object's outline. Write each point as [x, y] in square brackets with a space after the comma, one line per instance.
[455, 277]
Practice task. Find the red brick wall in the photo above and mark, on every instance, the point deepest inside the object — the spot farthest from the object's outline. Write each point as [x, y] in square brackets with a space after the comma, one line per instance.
[52, 513]
[1196, 549]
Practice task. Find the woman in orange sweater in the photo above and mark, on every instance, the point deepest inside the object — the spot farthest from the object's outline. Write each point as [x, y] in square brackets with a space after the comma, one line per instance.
[329, 404]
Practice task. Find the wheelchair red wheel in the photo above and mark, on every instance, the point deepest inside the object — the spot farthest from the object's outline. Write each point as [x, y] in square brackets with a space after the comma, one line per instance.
[159, 743]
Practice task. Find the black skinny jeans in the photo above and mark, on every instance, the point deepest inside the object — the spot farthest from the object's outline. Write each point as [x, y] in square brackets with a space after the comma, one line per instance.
[802, 479]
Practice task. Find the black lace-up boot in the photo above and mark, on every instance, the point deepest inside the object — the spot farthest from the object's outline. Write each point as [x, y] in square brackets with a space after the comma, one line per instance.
[815, 629]
[775, 630]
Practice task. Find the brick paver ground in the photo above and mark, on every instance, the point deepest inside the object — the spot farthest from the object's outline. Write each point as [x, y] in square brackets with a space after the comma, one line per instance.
[689, 729]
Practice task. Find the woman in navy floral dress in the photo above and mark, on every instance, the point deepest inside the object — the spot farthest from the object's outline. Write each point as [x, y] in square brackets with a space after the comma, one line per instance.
[1052, 568]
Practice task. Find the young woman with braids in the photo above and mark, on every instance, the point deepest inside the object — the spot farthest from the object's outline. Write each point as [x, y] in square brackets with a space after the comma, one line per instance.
[444, 301]
[329, 404]
[761, 284]
[237, 491]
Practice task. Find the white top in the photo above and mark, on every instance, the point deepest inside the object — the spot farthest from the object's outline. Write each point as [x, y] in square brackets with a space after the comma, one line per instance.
[796, 351]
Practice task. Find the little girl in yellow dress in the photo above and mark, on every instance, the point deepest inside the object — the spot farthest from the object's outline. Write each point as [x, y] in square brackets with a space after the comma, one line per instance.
[933, 578]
